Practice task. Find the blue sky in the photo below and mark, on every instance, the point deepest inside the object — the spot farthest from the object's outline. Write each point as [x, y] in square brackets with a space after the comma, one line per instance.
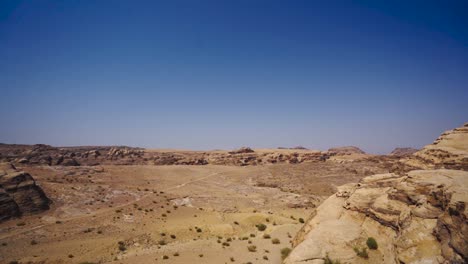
[225, 74]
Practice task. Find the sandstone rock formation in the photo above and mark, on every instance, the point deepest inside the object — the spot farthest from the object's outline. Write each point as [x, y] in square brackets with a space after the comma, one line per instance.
[242, 150]
[19, 193]
[449, 151]
[346, 150]
[403, 151]
[417, 218]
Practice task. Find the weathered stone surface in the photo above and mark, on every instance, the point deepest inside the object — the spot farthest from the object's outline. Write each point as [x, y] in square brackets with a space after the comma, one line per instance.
[420, 217]
[449, 151]
[347, 150]
[403, 151]
[19, 193]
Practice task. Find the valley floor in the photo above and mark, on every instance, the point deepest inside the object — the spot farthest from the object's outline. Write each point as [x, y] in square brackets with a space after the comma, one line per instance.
[169, 214]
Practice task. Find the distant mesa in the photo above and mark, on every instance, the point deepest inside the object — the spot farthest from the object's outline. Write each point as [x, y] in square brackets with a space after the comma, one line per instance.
[296, 147]
[242, 150]
[19, 194]
[347, 150]
[403, 151]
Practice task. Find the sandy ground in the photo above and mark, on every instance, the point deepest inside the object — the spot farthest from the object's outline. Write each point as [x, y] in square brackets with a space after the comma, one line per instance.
[190, 214]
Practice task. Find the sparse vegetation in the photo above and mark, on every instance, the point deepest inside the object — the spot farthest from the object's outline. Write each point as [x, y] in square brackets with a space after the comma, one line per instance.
[275, 241]
[266, 236]
[261, 227]
[372, 243]
[122, 246]
[301, 220]
[285, 252]
[361, 252]
[328, 260]
[252, 248]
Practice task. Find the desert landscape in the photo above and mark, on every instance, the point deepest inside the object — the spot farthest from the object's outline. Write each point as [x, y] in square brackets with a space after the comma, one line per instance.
[233, 132]
[134, 205]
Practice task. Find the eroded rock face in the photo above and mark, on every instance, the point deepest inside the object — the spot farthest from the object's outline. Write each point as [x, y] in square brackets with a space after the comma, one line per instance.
[420, 217]
[403, 151]
[19, 193]
[449, 151]
[348, 150]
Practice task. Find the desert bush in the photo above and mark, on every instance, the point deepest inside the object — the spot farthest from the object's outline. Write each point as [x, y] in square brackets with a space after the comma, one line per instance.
[201, 255]
[165, 257]
[328, 260]
[199, 230]
[226, 244]
[71, 256]
[162, 242]
[34, 242]
[275, 241]
[173, 236]
[176, 254]
[261, 227]
[361, 252]
[252, 248]
[266, 236]
[265, 257]
[232, 259]
[285, 252]
[122, 246]
[372, 243]
[301, 220]
[21, 224]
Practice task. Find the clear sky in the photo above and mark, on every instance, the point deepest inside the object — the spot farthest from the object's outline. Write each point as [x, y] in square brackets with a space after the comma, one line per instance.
[224, 74]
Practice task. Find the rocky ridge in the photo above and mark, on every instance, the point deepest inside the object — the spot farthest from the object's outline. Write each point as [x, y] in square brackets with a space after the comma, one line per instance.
[417, 216]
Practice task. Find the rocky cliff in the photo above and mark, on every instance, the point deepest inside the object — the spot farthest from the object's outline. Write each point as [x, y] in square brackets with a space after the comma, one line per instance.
[419, 216]
[449, 151]
[19, 193]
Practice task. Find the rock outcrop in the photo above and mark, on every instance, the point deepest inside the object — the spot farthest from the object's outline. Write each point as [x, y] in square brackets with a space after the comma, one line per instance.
[417, 218]
[348, 150]
[449, 151]
[242, 150]
[19, 193]
[403, 152]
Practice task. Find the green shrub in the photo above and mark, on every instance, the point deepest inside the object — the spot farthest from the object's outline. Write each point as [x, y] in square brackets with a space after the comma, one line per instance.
[122, 246]
[285, 252]
[371, 243]
[328, 260]
[252, 248]
[361, 252]
[261, 227]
